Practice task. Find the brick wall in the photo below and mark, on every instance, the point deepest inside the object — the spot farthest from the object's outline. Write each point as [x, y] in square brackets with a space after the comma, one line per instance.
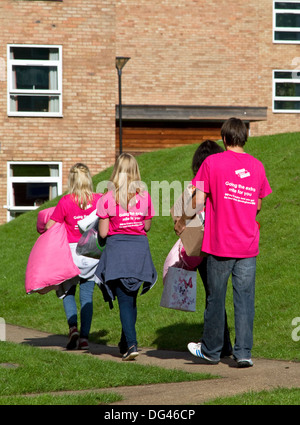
[189, 52]
[86, 133]
[203, 52]
[273, 56]
[183, 52]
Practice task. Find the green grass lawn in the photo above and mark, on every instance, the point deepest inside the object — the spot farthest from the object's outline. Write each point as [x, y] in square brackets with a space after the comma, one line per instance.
[86, 399]
[278, 397]
[277, 283]
[34, 371]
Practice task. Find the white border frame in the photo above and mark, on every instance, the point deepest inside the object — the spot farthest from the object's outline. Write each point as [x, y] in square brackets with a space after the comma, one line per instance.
[24, 179]
[10, 90]
[283, 98]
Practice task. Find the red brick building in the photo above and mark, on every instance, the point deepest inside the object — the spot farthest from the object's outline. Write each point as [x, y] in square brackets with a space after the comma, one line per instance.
[193, 63]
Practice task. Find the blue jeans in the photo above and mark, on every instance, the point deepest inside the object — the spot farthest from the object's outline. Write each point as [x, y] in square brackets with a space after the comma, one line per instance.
[86, 306]
[219, 270]
[128, 312]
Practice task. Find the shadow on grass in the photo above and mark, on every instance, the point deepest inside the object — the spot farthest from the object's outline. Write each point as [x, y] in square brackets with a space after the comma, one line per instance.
[171, 344]
[47, 341]
[60, 341]
[171, 338]
[177, 336]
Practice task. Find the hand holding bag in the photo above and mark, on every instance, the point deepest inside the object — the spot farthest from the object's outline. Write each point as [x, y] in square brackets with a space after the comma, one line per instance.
[177, 257]
[192, 235]
[180, 289]
[90, 244]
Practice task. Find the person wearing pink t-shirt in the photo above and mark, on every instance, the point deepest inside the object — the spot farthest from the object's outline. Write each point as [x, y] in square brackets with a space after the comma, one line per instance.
[204, 150]
[234, 184]
[125, 213]
[126, 221]
[71, 208]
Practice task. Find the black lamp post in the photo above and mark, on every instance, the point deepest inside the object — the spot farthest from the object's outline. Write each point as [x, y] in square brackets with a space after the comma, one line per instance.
[120, 63]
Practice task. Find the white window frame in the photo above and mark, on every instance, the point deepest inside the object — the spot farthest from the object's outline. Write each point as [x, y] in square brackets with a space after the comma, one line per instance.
[42, 179]
[12, 91]
[295, 80]
[284, 29]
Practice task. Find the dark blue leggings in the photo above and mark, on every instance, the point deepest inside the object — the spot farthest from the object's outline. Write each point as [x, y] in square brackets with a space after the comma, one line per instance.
[128, 312]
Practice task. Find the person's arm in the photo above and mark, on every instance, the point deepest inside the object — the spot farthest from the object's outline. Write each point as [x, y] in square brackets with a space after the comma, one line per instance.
[103, 227]
[49, 224]
[147, 225]
[196, 205]
[59, 213]
[259, 203]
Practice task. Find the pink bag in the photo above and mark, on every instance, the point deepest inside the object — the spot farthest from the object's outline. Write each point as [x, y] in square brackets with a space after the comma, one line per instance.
[50, 261]
[177, 257]
[43, 218]
[190, 261]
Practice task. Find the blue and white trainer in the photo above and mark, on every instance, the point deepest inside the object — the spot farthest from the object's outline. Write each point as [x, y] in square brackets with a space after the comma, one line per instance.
[195, 349]
[131, 354]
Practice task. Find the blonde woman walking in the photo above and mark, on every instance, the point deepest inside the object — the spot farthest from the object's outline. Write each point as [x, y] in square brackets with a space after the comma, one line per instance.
[77, 204]
[125, 213]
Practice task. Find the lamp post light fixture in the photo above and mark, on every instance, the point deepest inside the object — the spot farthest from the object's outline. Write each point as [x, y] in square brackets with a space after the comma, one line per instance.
[120, 63]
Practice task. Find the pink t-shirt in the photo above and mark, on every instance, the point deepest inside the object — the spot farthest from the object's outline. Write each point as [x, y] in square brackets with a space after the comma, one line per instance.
[126, 222]
[233, 183]
[69, 212]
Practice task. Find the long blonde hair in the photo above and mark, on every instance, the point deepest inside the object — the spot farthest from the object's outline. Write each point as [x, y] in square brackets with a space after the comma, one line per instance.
[125, 180]
[80, 185]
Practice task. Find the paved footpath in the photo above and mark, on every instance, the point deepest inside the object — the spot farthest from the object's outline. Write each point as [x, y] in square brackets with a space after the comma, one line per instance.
[264, 375]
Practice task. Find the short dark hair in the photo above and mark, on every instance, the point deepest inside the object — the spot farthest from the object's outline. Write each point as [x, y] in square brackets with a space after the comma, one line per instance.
[234, 132]
[205, 149]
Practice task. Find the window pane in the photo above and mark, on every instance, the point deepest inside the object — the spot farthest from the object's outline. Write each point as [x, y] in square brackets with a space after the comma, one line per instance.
[34, 53]
[285, 104]
[287, 5]
[283, 74]
[288, 20]
[287, 89]
[35, 103]
[35, 77]
[31, 194]
[287, 36]
[32, 170]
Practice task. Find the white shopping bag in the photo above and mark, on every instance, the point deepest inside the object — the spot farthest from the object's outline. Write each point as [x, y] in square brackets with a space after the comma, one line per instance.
[180, 289]
[87, 221]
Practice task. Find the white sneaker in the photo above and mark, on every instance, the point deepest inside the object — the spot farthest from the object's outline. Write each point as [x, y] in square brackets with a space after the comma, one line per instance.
[195, 349]
[244, 362]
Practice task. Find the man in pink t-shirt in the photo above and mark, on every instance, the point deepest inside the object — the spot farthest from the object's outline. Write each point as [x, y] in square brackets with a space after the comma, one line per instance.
[234, 185]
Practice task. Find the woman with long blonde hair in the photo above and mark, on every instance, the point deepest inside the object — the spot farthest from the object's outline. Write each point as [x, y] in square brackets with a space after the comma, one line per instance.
[125, 213]
[80, 185]
[77, 204]
[126, 180]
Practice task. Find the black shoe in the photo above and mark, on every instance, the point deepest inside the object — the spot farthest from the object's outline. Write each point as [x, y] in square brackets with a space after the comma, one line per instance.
[131, 354]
